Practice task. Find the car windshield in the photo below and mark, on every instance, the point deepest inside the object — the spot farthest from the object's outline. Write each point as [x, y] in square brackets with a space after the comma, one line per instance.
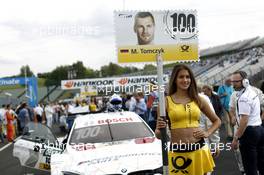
[109, 133]
[37, 132]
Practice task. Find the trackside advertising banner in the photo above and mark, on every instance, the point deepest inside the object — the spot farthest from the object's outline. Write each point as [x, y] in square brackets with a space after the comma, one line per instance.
[141, 35]
[104, 82]
[32, 84]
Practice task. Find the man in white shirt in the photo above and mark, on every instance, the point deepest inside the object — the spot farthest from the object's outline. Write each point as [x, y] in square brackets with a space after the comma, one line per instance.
[2, 123]
[49, 112]
[250, 134]
[140, 106]
[39, 113]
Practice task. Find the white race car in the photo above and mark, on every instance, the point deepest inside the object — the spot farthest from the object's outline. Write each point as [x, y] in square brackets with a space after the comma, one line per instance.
[103, 143]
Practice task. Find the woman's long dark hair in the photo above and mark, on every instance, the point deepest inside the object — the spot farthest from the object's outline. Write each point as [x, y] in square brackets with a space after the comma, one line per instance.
[192, 90]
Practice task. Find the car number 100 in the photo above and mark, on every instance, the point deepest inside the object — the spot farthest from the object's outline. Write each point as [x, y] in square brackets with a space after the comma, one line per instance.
[88, 132]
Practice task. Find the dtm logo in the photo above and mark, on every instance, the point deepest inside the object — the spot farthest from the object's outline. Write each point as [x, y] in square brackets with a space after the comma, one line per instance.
[184, 163]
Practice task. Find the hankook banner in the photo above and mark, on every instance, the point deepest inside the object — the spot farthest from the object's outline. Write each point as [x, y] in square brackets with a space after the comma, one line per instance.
[104, 82]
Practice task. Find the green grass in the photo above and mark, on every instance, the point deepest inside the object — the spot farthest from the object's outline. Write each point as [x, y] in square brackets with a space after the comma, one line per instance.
[41, 82]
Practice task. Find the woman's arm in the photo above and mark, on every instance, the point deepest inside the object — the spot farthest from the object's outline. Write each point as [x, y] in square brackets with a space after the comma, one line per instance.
[209, 113]
[216, 122]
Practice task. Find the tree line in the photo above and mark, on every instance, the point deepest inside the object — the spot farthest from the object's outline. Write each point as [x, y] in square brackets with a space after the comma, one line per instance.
[79, 71]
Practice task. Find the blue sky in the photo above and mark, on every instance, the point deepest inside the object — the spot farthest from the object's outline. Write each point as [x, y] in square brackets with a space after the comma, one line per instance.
[50, 33]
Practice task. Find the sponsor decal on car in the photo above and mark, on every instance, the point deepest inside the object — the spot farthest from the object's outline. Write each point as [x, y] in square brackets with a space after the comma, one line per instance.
[115, 120]
[83, 147]
[116, 158]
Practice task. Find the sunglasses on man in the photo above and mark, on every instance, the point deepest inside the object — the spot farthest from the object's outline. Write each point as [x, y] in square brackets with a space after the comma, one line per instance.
[236, 81]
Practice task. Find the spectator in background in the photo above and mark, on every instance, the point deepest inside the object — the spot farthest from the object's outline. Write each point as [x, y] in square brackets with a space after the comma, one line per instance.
[9, 114]
[1, 132]
[63, 112]
[30, 113]
[18, 108]
[15, 122]
[128, 101]
[2, 111]
[215, 100]
[100, 104]
[2, 114]
[139, 107]
[77, 103]
[84, 103]
[39, 113]
[49, 112]
[56, 109]
[23, 117]
[152, 106]
[92, 105]
[225, 91]
[124, 99]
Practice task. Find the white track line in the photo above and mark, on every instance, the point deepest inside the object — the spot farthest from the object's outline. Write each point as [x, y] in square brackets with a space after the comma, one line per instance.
[7, 145]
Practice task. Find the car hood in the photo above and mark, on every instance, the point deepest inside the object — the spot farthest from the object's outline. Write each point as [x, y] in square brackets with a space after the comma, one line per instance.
[113, 159]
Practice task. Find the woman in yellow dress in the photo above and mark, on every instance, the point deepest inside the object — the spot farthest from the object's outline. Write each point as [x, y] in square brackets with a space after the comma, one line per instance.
[188, 152]
[92, 105]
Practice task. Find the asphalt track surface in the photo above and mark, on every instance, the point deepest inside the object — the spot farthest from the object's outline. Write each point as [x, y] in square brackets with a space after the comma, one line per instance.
[225, 163]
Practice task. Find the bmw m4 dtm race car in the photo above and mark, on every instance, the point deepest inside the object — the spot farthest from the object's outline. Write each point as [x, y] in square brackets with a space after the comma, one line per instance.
[102, 143]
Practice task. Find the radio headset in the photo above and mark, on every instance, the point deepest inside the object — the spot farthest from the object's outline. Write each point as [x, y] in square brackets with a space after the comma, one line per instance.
[245, 81]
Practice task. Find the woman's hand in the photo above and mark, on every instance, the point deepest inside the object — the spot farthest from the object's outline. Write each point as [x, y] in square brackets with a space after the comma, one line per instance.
[200, 133]
[161, 123]
[216, 153]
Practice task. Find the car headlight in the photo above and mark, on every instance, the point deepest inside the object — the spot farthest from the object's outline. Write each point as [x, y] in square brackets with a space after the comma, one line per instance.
[70, 173]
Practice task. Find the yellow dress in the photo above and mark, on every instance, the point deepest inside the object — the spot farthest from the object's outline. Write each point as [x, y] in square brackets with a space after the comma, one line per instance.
[93, 107]
[190, 161]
